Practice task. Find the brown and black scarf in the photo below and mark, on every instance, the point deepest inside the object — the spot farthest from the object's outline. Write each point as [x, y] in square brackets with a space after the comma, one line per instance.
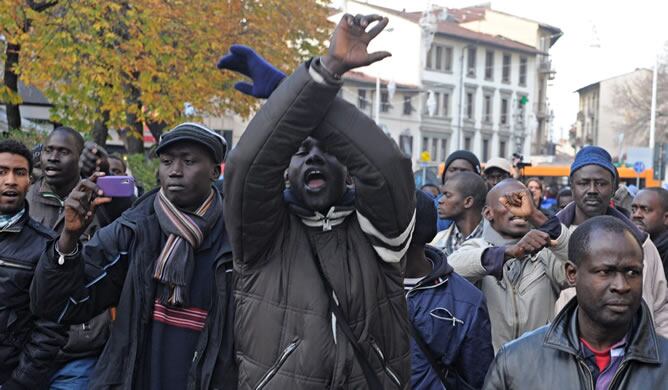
[186, 231]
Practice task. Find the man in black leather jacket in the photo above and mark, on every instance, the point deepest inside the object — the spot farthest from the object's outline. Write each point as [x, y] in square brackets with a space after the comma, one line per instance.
[604, 337]
[28, 345]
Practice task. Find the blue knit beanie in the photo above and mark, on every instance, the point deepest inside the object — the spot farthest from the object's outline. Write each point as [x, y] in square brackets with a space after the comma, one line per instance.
[594, 155]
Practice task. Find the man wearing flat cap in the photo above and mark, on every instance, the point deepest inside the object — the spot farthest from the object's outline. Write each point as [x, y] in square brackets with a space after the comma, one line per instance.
[164, 264]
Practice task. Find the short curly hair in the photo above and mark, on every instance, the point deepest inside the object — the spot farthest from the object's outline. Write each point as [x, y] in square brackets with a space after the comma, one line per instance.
[15, 147]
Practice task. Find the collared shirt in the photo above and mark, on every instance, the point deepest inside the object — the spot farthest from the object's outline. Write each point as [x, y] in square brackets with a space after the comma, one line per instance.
[603, 364]
[7, 221]
[456, 239]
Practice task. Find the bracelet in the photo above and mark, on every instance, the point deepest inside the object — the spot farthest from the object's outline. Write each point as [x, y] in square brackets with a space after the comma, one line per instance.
[62, 256]
[329, 72]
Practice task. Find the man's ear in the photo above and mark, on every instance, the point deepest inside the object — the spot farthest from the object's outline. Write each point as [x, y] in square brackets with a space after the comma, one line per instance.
[487, 213]
[571, 273]
[215, 172]
[468, 202]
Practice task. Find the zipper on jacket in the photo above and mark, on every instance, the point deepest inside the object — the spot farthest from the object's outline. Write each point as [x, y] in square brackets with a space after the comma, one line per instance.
[387, 368]
[516, 329]
[277, 365]
[588, 371]
[621, 367]
[12, 264]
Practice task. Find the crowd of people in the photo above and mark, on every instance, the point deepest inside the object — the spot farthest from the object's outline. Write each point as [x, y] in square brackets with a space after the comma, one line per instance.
[315, 262]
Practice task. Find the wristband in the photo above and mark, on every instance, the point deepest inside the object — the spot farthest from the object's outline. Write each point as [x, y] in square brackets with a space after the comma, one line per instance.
[62, 256]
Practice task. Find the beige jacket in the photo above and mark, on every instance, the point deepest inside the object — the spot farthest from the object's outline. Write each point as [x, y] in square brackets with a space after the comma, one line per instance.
[526, 304]
[654, 290]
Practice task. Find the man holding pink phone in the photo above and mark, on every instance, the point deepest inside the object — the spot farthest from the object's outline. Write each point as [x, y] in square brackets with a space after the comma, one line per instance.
[165, 264]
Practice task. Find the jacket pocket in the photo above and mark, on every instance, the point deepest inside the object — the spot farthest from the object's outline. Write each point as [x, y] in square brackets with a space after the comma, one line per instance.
[277, 364]
[388, 370]
[537, 275]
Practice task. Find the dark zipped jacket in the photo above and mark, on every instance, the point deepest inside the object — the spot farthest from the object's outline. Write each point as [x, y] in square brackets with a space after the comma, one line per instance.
[115, 268]
[549, 358]
[286, 337]
[28, 345]
[451, 315]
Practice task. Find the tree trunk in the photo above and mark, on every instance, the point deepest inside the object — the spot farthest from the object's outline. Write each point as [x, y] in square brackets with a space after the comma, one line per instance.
[11, 80]
[135, 139]
[157, 128]
[100, 130]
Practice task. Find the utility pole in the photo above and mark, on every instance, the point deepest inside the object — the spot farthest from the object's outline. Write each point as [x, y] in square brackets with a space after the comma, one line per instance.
[652, 118]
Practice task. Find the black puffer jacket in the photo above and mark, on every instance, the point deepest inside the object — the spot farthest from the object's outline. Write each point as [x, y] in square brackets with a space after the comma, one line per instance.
[286, 338]
[548, 358]
[28, 345]
[119, 262]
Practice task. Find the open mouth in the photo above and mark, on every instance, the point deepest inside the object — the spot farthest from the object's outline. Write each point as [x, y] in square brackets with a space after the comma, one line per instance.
[10, 194]
[521, 221]
[51, 171]
[314, 180]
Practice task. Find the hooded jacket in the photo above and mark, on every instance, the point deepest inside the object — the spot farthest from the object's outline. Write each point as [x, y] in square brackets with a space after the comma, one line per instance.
[286, 336]
[549, 358]
[115, 268]
[654, 290]
[28, 345]
[516, 304]
[451, 315]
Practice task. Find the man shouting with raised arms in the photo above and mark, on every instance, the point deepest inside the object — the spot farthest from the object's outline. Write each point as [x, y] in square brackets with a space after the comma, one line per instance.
[319, 295]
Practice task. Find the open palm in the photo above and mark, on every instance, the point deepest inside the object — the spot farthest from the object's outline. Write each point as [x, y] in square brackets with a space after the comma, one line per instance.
[348, 49]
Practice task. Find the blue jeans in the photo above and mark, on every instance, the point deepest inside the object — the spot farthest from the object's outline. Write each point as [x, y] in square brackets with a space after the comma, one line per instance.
[74, 376]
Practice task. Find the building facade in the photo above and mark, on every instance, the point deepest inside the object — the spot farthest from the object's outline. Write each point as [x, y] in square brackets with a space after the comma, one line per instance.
[465, 89]
[601, 116]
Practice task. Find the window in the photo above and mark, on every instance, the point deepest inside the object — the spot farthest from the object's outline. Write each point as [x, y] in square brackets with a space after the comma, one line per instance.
[384, 102]
[448, 59]
[467, 143]
[485, 149]
[434, 148]
[439, 58]
[469, 104]
[523, 71]
[489, 65]
[504, 111]
[361, 99]
[502, 149]
[425, 144]
[470, 63]
[487, 109]
[506, 68]
[430, 53]
[444, 148]
[406, 145]
[408, 105]
[446, 104]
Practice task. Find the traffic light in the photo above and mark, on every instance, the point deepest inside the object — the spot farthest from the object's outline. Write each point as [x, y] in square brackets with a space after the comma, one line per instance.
[659, 161]
[524, 100]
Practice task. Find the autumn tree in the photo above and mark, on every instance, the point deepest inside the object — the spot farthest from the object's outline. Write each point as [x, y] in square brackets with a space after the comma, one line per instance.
[634, 100]
[124, 64]
[15, 24]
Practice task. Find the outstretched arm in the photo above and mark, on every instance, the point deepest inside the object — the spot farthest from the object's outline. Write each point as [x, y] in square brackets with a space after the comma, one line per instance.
[254, 183]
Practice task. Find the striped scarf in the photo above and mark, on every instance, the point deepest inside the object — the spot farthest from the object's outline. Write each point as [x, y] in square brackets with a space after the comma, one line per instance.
[186, 231]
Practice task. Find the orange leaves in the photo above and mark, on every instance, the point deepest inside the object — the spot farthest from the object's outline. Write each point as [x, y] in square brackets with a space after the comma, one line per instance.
[149, 57]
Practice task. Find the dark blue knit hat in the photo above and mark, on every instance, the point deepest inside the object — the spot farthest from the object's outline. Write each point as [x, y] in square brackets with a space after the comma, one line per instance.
[594, 155]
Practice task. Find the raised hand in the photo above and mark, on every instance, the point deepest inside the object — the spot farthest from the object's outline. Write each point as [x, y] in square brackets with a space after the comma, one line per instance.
[519, 203]
[79, 211]
[244, 60]
[94, 158]
[532, 242]
[348, 47]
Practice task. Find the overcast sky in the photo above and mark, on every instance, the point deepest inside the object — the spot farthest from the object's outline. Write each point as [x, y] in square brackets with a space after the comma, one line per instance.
[629, 34]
